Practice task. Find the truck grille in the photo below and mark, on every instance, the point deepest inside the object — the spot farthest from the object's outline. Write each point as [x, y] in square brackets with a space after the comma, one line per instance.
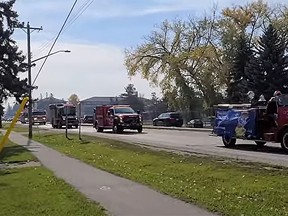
[130, 120]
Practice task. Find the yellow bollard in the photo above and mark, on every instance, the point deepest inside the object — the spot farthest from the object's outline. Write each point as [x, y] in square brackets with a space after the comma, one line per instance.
[12, 125]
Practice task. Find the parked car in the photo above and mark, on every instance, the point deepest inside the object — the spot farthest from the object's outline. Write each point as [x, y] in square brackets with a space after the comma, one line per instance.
[169, 119]
[88, 119]
[196, 123]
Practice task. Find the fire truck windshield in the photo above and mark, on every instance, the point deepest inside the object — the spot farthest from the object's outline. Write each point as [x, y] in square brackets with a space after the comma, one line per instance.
[35, 113]
[70, 111]
[123, 110]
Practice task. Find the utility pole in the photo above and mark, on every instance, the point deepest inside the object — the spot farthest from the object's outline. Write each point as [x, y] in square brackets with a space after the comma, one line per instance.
[28, 29]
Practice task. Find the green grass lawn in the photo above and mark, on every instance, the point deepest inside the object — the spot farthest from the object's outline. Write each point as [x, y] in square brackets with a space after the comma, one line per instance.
[231, 188]
[35, 191]
[23, 128]
[13, 153]
[17, 128]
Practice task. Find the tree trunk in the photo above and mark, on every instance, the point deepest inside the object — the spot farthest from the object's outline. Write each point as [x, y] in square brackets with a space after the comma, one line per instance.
[1, 126]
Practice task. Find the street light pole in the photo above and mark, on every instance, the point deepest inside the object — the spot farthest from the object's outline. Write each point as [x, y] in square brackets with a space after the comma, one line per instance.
[29, 28]
[65, 51]
[29, 81]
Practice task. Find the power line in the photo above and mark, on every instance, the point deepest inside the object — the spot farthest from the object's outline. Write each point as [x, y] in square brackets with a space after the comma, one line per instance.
[47, 43]
[79, 12]
[72, 8]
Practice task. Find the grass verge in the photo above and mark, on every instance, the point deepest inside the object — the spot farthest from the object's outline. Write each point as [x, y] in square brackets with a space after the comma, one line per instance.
[13, 153]
[229, 188]
[35, 191]
[23, 128]
[17, 128]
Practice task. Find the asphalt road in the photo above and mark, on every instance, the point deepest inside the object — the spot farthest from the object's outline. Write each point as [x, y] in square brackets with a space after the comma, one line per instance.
[194, 142]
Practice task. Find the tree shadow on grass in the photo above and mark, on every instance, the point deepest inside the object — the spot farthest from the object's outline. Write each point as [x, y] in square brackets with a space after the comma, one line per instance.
[2, 185]
[2, 173]
[11, 151]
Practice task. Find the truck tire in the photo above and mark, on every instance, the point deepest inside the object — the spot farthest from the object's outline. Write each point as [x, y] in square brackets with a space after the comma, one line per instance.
[140, 129]
[228, 142]
[53, 125]
[284, 141]
[98, 129]
[260, 144]
[117, 128]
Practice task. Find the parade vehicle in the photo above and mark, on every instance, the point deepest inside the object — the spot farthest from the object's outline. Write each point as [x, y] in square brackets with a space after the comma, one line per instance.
[39, 117]
[260, 123]
[117, 118]
[62, 114]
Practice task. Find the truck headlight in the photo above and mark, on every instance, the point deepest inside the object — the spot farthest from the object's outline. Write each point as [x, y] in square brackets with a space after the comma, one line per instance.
[35, 118]
[121, 119]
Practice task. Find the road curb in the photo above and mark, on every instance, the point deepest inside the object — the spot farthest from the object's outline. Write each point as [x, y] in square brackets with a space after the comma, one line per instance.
[178, 129]
[169, 128]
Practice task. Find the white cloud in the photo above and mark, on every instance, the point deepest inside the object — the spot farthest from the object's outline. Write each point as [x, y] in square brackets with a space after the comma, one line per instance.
[89, 70]
[101, 9]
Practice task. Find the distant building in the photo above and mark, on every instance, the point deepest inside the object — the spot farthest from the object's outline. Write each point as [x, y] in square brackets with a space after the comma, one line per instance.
[88, 105]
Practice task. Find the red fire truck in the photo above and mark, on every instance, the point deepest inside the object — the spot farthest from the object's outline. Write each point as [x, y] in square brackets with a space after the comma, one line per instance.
[117, 118]
[59, 113]
[38, 117]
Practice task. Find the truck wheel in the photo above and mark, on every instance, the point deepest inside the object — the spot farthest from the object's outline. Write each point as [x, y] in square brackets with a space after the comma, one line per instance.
[260, 144]
[115, 128]
[284, 141]
[228, 141]
[140, 129]
[98, 129]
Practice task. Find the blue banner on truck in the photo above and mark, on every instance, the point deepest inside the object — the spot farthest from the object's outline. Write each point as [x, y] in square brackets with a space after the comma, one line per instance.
[236, 123]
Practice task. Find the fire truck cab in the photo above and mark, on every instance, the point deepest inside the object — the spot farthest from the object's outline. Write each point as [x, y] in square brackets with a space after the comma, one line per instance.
[59, 113]
[117, 118]
[39, 117]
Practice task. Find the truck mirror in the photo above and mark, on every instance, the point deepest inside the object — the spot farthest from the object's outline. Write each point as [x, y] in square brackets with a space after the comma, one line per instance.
[138, 112]
[109, 113]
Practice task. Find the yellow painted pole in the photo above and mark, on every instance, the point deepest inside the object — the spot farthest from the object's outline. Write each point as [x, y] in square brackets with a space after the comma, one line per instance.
[12, 125]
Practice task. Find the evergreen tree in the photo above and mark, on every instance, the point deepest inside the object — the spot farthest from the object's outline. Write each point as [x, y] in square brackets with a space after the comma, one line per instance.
[131, 98]
[237, 88]
[270, 66]
[256, 80]
[11, 59]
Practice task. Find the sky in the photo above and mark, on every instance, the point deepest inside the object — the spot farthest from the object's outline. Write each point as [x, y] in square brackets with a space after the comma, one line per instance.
[97, 39]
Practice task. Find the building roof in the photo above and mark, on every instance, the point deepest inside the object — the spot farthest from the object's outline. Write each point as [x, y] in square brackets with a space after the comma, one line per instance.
[102, 99]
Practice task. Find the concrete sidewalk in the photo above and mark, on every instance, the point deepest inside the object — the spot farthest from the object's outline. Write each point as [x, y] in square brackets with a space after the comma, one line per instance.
[119, 196]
